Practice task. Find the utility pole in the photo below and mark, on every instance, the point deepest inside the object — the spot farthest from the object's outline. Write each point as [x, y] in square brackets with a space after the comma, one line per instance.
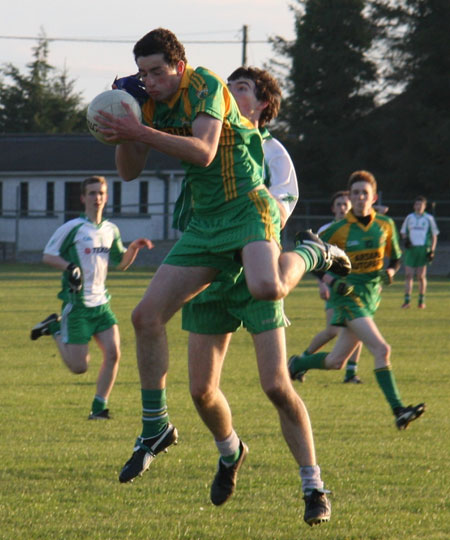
[244, 44]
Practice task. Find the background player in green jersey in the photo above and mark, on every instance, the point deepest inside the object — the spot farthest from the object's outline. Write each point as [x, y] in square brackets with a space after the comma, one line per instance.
[340, 205]
[190, 114]
[216, 313]
[82, 248]
[368, 238]
[419, 232]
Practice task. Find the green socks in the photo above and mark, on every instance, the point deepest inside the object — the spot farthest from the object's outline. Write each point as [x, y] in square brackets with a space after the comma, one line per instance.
[308, 361]
[386, 381]
[54, 327]
[98, 405]
[351, 369]
[154, 412]
[312, 256]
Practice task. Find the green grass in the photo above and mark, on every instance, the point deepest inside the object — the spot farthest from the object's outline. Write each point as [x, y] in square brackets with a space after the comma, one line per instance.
[58, 473]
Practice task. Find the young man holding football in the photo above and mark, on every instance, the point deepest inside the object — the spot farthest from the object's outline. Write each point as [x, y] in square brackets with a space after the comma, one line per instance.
[81, 249]
[191, 115]
[368, 238]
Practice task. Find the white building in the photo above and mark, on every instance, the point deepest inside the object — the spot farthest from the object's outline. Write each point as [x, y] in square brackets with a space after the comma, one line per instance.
[40, 177]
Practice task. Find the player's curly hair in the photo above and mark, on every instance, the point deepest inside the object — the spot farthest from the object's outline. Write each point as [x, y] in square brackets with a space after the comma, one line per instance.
[266, 89]
[161, 41]
[362, 176]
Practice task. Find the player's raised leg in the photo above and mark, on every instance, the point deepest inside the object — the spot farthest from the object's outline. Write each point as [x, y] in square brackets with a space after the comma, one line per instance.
[271, 275]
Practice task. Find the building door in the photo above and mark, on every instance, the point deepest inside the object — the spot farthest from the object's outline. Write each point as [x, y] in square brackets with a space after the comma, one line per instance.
[72, 204]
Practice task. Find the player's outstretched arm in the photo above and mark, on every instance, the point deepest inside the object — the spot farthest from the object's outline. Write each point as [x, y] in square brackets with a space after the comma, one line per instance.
[133, 249]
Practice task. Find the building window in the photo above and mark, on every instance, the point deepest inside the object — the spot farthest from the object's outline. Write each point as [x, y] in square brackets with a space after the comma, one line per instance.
[24, 198]
[117, 197]
[143, 197]
[1, 198]
[50, 204]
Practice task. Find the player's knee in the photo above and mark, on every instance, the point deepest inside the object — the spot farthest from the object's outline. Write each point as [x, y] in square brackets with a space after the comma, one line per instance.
[266, 289]
[113, 356]
[384, 350]
[276, 392]
[79, 367]
[201, 395]
[143, 320]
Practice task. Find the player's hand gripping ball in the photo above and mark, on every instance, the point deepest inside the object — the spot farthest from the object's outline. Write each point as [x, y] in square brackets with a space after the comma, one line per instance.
[430, 255]
[74, 277]
[110, 102]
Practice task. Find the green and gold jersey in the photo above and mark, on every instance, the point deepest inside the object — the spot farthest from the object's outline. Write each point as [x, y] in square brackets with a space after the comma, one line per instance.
[366, 245]
[237, 167]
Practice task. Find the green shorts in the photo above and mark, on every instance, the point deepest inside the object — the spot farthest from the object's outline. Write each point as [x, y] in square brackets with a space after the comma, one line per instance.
[223, 308]
[416, 256]
[216, 240]
[79, 323]
[363, 302]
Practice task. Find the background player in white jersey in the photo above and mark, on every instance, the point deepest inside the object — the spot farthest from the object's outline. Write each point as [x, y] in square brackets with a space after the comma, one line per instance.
[82, 248]
[419, 232]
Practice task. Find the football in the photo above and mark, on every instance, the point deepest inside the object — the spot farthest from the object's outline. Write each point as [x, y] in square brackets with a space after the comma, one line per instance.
[111, 102]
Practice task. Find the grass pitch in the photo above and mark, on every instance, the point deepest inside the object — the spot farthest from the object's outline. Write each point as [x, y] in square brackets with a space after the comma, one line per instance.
[59, 472]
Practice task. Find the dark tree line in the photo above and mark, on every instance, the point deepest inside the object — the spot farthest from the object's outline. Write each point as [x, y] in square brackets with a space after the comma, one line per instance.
[368, 86]
[40, 101]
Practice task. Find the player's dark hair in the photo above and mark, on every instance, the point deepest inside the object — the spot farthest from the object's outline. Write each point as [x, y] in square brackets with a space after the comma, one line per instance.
[362, 176]
[421, 198]
[266, 89]
[161, 41]
[342, 193]
[92, 180]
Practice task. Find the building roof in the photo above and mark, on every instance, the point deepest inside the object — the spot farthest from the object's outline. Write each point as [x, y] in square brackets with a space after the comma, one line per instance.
[77, 152]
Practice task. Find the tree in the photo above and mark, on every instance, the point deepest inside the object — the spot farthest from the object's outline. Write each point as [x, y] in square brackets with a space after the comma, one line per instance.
[329, 86]
[410, 135]
[42, 101]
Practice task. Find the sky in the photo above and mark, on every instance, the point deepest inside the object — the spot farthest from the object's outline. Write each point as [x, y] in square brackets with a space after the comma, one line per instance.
[94, 65]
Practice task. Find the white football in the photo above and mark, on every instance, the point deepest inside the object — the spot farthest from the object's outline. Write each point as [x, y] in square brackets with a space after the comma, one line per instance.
[111, 102]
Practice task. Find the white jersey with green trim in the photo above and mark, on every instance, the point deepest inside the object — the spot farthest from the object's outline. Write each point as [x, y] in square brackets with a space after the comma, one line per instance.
[419, 228]
[90, 247]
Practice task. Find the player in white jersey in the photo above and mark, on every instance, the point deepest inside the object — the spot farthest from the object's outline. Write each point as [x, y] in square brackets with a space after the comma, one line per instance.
[419, 232]
[82, 248]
